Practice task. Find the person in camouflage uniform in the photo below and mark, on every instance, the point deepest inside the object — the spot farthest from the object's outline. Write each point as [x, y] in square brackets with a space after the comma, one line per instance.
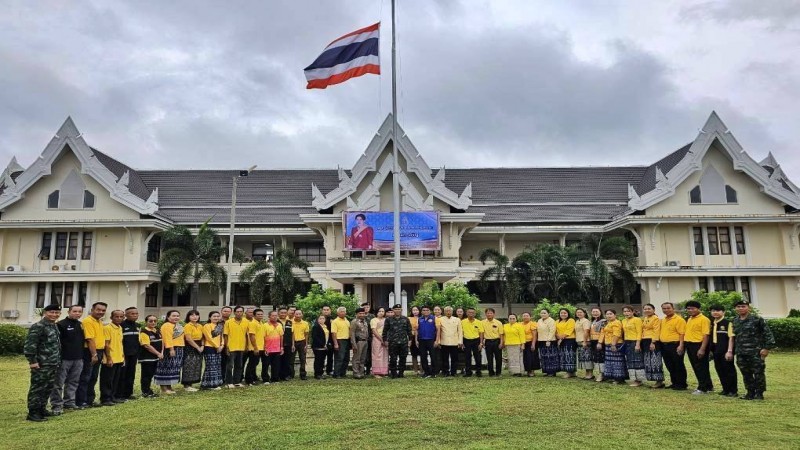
[752, 342]
[397, 333]
[43, 352]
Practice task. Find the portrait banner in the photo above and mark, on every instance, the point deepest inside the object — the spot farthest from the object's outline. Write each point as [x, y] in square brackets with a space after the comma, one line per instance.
[374, 230]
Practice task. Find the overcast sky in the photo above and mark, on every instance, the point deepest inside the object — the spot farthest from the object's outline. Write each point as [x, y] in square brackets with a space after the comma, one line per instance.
[193, 84]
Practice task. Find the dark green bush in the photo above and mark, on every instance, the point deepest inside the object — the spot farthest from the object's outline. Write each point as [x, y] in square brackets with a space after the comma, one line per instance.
[12, 339]
[786, 332]
[794, 313]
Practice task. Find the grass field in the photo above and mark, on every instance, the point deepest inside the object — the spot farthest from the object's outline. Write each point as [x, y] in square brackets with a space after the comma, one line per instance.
[415, 413]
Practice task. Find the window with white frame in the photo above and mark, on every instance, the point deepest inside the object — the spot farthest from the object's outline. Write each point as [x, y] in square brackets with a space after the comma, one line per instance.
[718, 240]
[728, 284]
[68, 245]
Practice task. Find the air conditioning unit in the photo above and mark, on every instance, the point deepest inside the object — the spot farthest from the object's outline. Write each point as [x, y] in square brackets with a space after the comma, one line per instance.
[67, 267]
[672, 263]
[14, 268]
[10, 314]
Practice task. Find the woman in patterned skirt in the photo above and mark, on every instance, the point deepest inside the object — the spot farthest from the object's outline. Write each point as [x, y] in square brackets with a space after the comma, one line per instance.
[168, 371]
[212, 353]
[634, 359]
[582, 334]
[595, 333]
[651, 345]
[565, 332]
[548, 349]
[614, 367]
[193, 351]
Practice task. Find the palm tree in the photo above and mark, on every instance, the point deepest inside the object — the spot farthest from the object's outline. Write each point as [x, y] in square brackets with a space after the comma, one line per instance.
[498, 272]
[610, 263]
[277, 275]
[193, 257]
[553, 271]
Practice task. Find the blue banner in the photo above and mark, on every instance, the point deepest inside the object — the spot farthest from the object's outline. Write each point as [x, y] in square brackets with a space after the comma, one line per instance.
[374, 230]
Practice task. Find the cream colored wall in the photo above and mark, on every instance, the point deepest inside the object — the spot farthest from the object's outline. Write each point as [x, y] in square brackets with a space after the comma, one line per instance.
[770, 296]
[766, 247]
[16, 296]
[470, 250]
[750, 199]
[33, 206]
[20, 247]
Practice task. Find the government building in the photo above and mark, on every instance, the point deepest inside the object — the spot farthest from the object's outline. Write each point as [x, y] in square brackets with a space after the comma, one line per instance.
[79, 226]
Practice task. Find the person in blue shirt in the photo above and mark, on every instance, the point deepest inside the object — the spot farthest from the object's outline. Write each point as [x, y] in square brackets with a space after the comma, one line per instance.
[426, 337]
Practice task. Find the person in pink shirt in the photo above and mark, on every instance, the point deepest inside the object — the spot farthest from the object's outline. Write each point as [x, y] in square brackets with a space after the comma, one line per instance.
[273, 346]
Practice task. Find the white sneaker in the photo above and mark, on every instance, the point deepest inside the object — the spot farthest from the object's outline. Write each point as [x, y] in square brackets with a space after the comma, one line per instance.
[698, 392]
[217, 388]
[190, 389]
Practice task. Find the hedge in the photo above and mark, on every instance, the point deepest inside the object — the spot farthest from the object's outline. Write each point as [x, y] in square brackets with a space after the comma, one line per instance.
[786, 332]
[12, 339]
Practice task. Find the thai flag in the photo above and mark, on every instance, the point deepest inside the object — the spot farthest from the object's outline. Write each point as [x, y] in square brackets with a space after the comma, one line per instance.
[350, 56]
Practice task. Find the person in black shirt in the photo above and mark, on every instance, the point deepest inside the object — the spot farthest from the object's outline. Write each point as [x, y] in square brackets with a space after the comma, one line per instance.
[150, 352]
[71, 333]
[721, 346]
[130, 347]
[326, 312]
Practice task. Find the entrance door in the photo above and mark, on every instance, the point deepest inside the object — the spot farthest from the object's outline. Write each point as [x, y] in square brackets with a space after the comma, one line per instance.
[378, 294]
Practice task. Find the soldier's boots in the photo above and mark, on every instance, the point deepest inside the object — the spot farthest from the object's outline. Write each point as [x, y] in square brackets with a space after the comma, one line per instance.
[35, 416]
[749, 396]
[758, 395]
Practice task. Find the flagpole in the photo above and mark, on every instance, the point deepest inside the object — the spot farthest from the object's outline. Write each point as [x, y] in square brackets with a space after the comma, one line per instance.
[396, 173]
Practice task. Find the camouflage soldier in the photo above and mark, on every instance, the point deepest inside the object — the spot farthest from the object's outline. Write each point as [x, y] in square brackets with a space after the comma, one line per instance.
[397, 333]
[43, 351]
[752, 340]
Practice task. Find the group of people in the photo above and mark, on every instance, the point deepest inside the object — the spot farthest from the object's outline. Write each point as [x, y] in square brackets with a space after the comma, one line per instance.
[68, 357]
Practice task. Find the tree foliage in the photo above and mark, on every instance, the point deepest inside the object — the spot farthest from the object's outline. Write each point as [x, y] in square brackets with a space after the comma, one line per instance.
[454, 293]
[725, 299]
[277, 276]
[311, 304]
[609, 262]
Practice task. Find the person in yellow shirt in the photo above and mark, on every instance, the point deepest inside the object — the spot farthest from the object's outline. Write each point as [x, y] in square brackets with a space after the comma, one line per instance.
[113, 360]
[168, 370]
[634, 358]
[212, 353]
[301, 332]
[273, 347]
[149, 354]
[651, 346]
[672, 333]
[92, 356]
[514, 335]
[473, 338]
[547, 343]
[595, 335]
[340, 335]
[493, 338]
[235, 335]
[583, 342]
[255, 341]
[530, 357]
[414, 349]
[698, 329]
[565, 333]
[192, 351]
[611, 340]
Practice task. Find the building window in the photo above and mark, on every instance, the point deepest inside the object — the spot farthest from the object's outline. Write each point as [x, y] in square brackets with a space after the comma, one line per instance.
[154, 249]
[702, 284]
[241, 294]
[167, 294]
[262, 251]
[88, 200]
[72, 251]
[738, 235]
[61, 245]
[185, 299]
[745, 288]
[730, 194]
[694, 196]
[725, 240]
[52, 200]
[310, 251]
[86, 247]
[698, 240]
[725, 284]
[41, 294]
[69, 291]
[151, 295]
[56, 293]
[713, 241]
[47, 243]
[83, 290]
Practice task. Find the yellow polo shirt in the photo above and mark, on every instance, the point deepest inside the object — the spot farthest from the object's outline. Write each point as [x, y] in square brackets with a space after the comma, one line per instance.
[514, 333]
[672, 328]
[697, 327]
[472, 330]
[414, 324]
[651, 328]
[632, 328]
[566, 327]
[529, 327]
[256, 329]
[300, 330]
[492, 329]
[193, 332]
[612, 329]
[93, 329]
[167, 331]
[208, 339]
[236, 334]
[341, 327]
[113, 335]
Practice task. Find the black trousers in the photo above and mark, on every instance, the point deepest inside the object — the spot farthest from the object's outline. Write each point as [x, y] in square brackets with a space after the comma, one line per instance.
[530, 358]
[86, 394]
[342, 358]
[301, 350]
[494, 356]
[699, 366]
[726, 371]
[398, 353]
[472, 353]
[110, 377]
[319, 361]
[148, 371]
[287, 362]
[234, 369]
[449, 360]
[426, 351]
[674, 363]
[128, 377]
[329, 361]
[253, 359]
[436, 360]
[273, 361]
[368, 363]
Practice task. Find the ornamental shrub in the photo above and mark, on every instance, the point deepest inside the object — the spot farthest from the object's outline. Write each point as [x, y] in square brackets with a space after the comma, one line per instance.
[553, 308]
[786, 332]
[311, 304]
[707, 299]
[454, 293]
[794, 313]
[12, 339]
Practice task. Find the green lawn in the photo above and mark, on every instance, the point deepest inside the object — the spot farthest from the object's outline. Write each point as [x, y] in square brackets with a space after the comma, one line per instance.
[415, 413]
